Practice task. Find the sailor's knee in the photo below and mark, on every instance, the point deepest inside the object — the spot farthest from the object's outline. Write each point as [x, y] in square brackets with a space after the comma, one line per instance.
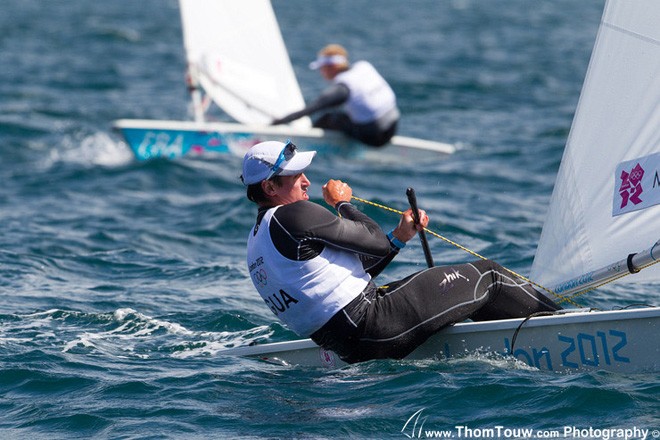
[488, 265]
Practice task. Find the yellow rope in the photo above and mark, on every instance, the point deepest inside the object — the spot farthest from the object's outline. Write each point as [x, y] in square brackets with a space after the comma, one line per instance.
[560, 298]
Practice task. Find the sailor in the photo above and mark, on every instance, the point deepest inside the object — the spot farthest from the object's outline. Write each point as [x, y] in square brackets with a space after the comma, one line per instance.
[315, 269]
[369, 112]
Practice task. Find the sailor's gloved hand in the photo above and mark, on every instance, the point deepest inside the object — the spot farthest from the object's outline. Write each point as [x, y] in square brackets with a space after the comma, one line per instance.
[336, 191]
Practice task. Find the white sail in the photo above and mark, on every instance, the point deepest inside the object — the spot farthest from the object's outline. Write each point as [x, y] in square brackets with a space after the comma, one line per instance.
[606, 201]
[235, 51]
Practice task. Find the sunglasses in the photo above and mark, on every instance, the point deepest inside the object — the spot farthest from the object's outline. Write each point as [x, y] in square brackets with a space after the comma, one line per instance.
[286, 154]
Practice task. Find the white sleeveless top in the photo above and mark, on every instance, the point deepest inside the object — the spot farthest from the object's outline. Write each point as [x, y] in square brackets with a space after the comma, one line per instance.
[303, 294]
[371, 97]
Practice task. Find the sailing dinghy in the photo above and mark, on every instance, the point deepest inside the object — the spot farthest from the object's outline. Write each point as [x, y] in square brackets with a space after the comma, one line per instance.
[237, 57]
[605, 207]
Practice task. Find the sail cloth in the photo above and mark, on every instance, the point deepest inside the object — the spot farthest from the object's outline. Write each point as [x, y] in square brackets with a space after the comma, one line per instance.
[606, 201]
[235, 51]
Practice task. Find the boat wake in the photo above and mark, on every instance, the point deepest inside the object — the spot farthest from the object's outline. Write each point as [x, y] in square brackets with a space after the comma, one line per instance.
[124, 333]
[92, 150]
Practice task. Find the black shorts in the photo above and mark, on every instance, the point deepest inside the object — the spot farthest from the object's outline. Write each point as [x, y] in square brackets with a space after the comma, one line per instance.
[391, 321]
[370, 134]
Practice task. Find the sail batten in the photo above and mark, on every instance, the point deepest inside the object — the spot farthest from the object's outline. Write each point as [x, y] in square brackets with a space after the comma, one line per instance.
[606, 201]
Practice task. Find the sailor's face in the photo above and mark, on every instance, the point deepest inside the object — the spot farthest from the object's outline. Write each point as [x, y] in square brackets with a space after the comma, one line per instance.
[293, 189]
[328, 72]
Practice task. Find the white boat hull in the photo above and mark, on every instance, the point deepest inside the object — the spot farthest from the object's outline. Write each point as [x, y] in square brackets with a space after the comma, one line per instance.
[150, 139]
[623, 341]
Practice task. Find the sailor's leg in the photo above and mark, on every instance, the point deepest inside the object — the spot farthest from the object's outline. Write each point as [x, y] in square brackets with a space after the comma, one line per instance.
[510, 297]
[408, 311]
[334, 120]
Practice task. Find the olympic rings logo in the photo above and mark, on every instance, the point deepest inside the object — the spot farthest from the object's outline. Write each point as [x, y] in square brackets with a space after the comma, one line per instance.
[260, 277]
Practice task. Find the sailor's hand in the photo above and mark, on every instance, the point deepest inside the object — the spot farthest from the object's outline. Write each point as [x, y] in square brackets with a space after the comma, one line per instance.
[406, 229]
[336, 191]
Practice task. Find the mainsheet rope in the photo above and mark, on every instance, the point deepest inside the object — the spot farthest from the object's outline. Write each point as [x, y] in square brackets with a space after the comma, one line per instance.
[560, 298]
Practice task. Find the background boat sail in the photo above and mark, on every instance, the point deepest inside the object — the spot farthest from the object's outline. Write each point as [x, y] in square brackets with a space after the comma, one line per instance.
[236, 55]
[592, 221]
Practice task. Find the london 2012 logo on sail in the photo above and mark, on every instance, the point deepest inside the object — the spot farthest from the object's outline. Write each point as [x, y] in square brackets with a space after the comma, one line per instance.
[637, 184]
[631, 186]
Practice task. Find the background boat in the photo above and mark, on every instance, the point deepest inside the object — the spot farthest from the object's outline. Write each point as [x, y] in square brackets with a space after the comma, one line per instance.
[237, 59]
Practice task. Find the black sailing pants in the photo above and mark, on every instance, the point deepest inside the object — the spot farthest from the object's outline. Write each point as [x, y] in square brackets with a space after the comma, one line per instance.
[391, 321]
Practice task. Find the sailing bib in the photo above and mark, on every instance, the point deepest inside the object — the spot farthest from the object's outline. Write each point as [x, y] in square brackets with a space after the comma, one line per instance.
[371, 97]
[303, 294]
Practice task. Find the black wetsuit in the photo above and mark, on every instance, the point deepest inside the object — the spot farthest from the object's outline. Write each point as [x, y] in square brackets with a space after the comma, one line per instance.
[376, 133]
[391, 321]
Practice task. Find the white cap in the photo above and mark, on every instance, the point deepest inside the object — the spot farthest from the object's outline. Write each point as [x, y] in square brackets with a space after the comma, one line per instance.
[260, 161]
[330, 55]
[328, 60]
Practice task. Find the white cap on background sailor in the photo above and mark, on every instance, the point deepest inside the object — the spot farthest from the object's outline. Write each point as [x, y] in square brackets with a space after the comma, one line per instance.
[330, 55]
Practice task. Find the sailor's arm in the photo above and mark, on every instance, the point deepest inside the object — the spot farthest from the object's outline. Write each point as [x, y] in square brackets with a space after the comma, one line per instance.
[339, 194]
[331, 97]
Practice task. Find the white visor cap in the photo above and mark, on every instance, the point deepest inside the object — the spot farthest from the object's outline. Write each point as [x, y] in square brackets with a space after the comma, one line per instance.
[328, 60]
[260, 161]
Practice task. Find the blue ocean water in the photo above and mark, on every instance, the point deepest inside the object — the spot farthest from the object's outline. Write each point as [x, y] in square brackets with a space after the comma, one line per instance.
[121, 280]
